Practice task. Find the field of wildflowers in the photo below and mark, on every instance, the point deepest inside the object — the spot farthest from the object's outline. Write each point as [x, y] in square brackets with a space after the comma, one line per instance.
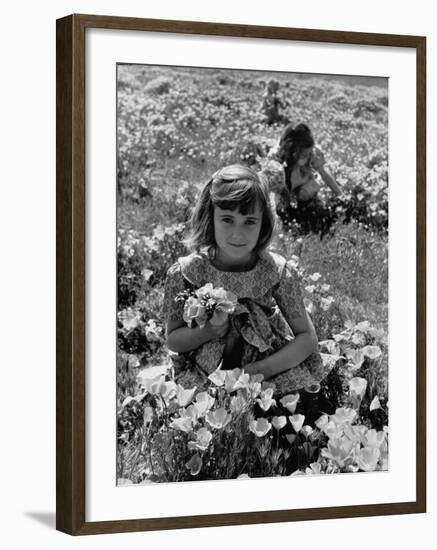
[176, 126]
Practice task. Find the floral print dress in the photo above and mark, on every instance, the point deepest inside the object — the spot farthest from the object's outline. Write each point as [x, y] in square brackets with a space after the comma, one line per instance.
[269, 298]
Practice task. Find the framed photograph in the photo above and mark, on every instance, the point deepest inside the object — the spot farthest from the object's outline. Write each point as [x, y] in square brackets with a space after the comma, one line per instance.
[241, 274]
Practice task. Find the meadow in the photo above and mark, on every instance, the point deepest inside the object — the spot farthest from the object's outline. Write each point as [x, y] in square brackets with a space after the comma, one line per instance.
[175, 127]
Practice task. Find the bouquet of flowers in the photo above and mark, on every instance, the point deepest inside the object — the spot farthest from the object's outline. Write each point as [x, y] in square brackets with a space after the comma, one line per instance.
[206, 304]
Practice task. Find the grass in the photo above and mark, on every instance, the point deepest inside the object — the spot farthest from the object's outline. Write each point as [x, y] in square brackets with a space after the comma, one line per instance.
[354, 262]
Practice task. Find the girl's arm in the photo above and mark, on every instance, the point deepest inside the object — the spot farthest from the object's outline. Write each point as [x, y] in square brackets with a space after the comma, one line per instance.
[292, 354]
[330, 181]
[318, 164]
[181, 338]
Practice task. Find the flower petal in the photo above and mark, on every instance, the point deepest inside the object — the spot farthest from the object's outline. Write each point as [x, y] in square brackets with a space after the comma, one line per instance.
[297, 421]
[278, 422]
[375, 404]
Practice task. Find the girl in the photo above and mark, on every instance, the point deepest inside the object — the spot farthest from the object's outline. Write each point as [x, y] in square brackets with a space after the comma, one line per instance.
[269, 331]
[300, 161]
[271, 104]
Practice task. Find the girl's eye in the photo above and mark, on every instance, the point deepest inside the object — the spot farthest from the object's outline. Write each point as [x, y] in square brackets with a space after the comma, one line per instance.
[251, 222]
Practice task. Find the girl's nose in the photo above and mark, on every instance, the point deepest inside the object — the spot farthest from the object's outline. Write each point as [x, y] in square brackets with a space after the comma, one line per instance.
[237, 235]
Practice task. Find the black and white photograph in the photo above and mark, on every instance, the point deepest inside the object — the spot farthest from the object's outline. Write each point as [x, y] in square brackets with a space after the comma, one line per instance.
[219, 287]
[252, 274]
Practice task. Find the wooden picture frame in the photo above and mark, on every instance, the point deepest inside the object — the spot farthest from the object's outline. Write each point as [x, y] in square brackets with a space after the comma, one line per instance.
[71, 275]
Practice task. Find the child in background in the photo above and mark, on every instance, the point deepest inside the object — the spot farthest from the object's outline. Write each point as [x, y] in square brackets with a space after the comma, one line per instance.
[271, 104]
[269, 331]
[301, 160]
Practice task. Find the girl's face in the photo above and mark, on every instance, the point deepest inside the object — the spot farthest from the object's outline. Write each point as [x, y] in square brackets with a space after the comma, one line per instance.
[305, 156]
[236, 234]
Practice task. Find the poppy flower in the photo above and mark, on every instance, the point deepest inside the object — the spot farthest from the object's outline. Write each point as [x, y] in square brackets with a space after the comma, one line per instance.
[183, 424]
[368, 458]
[194, 311]
[290, 402]
[183, 396]
[194, 464]
[343, 415]
[278, 422]
[340, 450]
[325, 303]
[242, 381]
[358, 386]
[374, 439]
[231, 377]
[314, 469]
[313, 388]
[260, 427]
[372, 352]
[322, 422]
[356, 433]
[330, 428]
[203, 439]
[219, 418]
[218, 377]
[203, 403]
[306, 430]
[297, 421]
[266, 400]
[148, 415]
[356, 356]
[254, 388]
[237, 403]
[375, 404]
[191, 412]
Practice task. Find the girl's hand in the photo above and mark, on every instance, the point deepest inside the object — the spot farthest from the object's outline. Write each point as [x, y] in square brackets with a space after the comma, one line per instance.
[318, 159]
[258, 368]
[218, 325]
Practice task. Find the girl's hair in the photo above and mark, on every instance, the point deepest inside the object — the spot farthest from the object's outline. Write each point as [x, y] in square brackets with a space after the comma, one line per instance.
[293, 140]
[232, 187]
[272, 85]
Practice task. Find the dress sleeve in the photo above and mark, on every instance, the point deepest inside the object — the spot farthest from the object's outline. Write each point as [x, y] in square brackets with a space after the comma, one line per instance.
[174, 283]
[288, 294]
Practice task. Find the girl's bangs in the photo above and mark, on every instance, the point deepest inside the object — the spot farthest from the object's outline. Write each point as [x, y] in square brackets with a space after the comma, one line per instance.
[241, 194]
